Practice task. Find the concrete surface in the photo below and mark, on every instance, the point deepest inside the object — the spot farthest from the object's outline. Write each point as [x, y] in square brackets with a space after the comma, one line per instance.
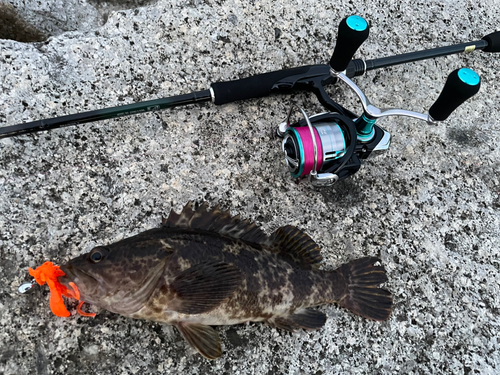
[429, 207]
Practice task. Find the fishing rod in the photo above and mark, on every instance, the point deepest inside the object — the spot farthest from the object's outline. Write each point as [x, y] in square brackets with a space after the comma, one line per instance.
[311, 78]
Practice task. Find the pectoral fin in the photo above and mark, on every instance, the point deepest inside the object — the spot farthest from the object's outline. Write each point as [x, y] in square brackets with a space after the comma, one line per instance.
[204, 286]
[202, 338]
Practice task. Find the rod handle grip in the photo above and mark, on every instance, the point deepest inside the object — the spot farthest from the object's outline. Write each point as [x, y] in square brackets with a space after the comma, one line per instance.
[353, 31]
[257, 86]
[461, 85]
[493, 40]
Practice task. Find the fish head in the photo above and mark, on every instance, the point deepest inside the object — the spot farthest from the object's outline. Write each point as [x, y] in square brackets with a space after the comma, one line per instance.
[119, 278]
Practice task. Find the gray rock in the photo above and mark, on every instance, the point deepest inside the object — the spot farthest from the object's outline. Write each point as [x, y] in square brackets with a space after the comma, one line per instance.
[54, 17]
[429, 207]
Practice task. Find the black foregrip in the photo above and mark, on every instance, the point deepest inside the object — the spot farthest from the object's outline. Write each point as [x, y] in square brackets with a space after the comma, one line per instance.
[353, 31]
[493, 40]
[460, 86]
[253, 87]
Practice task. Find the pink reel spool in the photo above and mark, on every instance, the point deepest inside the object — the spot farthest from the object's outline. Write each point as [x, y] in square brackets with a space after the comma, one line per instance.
[307, 150]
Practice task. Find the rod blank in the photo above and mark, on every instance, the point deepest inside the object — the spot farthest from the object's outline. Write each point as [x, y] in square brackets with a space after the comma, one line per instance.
[426, 54]
[106, 113]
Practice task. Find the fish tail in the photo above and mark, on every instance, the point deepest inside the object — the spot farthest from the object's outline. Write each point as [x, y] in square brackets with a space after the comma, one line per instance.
[361, 293]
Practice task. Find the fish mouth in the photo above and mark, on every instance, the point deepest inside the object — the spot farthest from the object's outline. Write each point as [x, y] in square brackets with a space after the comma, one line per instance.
[88, 275]
[76, 275]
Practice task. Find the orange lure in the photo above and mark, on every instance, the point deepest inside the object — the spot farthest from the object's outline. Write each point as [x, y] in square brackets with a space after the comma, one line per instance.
[48, 273]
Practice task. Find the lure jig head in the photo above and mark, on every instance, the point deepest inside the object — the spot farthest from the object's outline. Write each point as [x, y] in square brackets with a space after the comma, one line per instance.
[27, 287]
[330, 146]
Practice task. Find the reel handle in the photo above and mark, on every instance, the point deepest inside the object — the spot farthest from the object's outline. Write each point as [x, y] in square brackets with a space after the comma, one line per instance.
[461, 85]
[353, 31]
[493, 40]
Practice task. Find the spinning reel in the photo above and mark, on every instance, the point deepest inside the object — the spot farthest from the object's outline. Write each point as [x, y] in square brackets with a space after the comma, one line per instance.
[330, 146]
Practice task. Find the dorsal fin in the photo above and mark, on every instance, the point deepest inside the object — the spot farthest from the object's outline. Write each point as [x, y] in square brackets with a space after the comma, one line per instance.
[296, 245]
[216, 221]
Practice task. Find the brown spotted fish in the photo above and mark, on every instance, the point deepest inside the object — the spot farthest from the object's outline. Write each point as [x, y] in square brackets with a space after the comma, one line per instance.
[203, 268]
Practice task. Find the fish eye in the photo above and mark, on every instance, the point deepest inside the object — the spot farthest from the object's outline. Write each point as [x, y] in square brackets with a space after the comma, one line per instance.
[97, 254]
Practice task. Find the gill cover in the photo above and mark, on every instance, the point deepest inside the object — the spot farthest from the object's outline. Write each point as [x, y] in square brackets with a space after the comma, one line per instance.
[119, 277]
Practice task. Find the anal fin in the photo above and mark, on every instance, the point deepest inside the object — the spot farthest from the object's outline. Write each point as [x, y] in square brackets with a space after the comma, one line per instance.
[203, 338]
[309, 319]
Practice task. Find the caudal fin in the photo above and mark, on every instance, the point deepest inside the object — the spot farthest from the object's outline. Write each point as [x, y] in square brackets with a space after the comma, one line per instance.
[363, 295]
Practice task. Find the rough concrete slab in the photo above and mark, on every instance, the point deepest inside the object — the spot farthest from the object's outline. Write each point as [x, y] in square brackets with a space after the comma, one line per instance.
[429, 207]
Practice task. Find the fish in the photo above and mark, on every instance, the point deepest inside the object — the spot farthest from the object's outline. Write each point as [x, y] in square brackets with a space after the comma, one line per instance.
[203, 268]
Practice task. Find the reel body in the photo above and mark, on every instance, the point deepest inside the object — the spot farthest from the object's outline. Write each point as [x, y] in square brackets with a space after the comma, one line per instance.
[330, 146]
[334, 154]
